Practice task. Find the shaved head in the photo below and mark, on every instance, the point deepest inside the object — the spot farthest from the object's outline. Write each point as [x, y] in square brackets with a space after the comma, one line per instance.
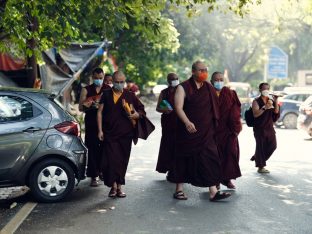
[119, 76]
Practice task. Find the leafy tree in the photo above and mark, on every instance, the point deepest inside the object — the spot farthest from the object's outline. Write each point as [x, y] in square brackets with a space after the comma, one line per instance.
[240, 45]
[29, 27]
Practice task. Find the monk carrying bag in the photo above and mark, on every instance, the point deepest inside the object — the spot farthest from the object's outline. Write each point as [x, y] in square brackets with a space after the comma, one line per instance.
[249, 118]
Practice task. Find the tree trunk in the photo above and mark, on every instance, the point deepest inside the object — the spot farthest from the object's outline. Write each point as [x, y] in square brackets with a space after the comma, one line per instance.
[31, 65]
[32, 73]
[2, 10]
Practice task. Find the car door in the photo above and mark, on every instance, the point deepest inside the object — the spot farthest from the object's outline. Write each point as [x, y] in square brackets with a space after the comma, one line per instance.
[23, 124]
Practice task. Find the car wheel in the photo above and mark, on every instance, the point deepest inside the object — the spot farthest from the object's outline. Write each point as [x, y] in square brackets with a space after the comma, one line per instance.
[51, 180]
[290, 121]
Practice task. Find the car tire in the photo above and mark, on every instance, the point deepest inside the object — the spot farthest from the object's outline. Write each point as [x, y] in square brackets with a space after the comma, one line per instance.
[290, 121]
[51, 180]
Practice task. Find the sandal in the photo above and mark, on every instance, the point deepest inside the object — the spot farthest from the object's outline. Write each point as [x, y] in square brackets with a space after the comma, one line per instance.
[229, 184]
[219, 196]
[263, 170]
[179, 195]
[112, 193]
[94, 182]
[120, 194]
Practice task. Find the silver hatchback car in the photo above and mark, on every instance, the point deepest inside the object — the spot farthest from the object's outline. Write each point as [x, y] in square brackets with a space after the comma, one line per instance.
[40, 144]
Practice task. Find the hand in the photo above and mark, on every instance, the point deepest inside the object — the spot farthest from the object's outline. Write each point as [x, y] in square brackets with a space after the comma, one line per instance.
[190, 127]
[275, 98]
[269, 104]
[167, 111]
[87, 103]
[101, 136]
[135, 115]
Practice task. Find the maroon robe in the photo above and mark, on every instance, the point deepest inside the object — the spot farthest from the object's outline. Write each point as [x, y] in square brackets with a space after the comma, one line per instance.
[227, 131]
[264, 134]
[91, 134]
[196, 159]
[118, 135]
[105, 86]
[168, 125]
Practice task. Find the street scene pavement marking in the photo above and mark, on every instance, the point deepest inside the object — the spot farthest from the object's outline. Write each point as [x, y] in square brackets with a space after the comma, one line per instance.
[18, 219]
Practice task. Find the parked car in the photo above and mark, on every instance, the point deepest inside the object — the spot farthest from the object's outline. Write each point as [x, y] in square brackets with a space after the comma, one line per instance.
[304, 121]
[40, 144]
[158, 88]
[243, 91]
[289, 109]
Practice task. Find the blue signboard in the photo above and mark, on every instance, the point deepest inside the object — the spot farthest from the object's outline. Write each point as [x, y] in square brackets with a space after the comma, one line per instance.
[278, 64]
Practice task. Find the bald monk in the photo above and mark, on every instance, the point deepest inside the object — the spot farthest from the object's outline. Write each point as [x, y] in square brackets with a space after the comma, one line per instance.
[266, 111]
[118, 113]
[196, 159]
[228, 128]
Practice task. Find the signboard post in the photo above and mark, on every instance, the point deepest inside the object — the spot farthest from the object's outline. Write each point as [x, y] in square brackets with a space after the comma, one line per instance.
[277, 66]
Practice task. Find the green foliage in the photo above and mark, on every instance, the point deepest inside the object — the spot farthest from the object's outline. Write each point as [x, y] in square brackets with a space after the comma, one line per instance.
[137, 29]
[240, 45]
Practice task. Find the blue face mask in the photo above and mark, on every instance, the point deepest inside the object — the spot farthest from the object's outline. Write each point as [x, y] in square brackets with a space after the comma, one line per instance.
[218, 85]
[98, 82]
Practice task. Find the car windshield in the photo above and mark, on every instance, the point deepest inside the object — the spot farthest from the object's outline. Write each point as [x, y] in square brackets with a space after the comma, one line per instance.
[308, 102]
[242, 92]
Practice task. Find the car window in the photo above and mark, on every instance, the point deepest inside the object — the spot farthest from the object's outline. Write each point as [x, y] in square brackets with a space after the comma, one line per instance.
[291, 97]
[301, 97]
[14, 108]
[308, 101]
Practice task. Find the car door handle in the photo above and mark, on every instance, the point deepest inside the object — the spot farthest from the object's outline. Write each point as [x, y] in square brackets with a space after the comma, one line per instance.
[32, 129]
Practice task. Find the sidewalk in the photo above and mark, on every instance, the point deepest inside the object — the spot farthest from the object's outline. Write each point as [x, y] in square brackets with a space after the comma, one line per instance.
[12, 192]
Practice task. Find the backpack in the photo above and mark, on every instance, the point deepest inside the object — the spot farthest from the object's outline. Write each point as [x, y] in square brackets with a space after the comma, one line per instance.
[249, 118]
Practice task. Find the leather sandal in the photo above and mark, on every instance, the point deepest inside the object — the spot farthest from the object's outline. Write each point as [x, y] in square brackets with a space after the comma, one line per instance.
[120, 194]
[94, 182]
[219, 196]
[179, 195]
[112, 193]
[263, 170]
[229, 184]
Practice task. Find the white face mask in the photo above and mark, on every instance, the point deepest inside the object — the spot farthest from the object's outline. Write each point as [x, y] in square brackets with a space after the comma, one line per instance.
[174, 83]
[111, 85]
[265, 93]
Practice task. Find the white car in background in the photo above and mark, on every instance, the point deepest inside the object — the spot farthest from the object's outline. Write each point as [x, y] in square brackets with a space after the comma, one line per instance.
[158, 88]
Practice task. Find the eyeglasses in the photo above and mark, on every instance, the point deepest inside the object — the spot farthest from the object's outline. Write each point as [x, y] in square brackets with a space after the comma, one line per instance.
[119, 82]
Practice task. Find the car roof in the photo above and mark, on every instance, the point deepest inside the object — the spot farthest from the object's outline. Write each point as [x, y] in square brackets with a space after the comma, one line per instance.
[28, 90]
[298, 93]
[239, 84]
[291, 90]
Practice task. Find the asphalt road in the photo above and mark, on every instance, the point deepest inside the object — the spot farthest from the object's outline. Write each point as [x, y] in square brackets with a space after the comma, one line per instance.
[279, 202]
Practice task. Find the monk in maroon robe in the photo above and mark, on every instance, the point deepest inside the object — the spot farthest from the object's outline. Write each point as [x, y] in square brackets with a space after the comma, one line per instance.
[168, 124]
[227, 130]
[108, 80]
[196, 159]
[266, 111]
[117, 117]
[88, 102]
